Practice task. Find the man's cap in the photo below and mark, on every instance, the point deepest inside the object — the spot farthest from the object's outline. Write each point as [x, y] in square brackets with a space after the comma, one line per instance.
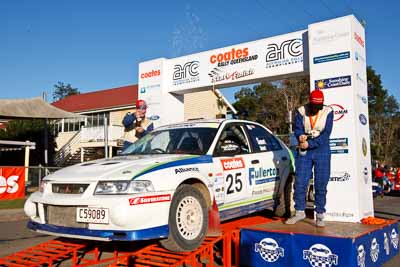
[317, 97]
[141, 104]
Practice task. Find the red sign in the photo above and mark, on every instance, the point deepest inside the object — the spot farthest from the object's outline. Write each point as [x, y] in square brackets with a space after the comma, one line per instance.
[12, 182]
[150, 74]
[359, 39]
[338, 111]
[229, 55]
[149, 199]
[232, 164]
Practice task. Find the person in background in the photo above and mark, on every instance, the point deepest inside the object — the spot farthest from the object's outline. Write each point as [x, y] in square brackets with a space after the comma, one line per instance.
[379, 173]
[313, 127]
[136, 125]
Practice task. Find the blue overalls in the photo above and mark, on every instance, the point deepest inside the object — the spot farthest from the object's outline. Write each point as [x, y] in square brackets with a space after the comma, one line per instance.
[318, 156]
[128, 122]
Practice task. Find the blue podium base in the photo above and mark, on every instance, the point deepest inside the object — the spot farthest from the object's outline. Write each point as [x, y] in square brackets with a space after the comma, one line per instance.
[303, 244]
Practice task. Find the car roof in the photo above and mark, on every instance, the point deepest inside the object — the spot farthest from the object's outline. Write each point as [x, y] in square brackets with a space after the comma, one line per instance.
[195, 123]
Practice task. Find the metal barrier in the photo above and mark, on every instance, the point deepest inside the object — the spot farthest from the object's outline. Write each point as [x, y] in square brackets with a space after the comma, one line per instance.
[221, 250]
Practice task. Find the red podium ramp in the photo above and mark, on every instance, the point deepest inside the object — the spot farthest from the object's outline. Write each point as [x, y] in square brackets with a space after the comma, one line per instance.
[303, 244]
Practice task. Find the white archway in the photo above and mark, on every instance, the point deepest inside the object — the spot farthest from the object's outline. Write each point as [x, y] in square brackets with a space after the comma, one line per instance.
[332, 52]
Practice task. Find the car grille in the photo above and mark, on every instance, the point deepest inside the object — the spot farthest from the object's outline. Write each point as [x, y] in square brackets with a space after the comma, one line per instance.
[69, 188]
[62, 216]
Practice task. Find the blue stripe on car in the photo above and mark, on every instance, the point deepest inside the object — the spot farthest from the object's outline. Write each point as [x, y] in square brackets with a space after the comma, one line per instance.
[115, 235]
[187, 161]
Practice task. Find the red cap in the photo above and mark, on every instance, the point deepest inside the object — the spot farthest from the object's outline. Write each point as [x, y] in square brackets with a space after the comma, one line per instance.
[141, 104]
[316, 97]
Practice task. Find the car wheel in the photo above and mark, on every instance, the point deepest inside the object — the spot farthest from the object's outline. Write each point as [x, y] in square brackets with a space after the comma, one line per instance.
[310, 193]
[188, 220]
[285, 207]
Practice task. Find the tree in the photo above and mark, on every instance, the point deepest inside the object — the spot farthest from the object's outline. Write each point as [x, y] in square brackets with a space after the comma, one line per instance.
[384, 116]
[31, 130]
[271, 103]
[62, 90]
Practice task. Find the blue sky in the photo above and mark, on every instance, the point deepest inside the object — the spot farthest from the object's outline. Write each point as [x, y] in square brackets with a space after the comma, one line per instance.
[96, 44]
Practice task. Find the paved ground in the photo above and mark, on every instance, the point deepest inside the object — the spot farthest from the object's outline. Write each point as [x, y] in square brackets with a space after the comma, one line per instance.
[14, 236]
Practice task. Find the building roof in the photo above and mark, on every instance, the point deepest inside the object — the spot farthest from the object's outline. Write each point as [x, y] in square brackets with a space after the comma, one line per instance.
[100, 100]
[33, 108]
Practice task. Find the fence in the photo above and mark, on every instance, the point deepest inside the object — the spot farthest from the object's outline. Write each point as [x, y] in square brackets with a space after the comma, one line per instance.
[35, 176]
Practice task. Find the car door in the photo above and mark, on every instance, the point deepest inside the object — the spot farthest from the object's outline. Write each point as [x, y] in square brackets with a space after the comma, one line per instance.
[265, 179]
[232, 158]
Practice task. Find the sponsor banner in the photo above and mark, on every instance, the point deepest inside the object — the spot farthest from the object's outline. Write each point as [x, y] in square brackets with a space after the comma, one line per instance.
[333, 82]
[189, 169]
[149, 199]
[263, 175]
[267, 57]
[332, 57]
[284, 53]
[337, 66]
[339, 145]
[12, 182]
[339, 176]
[363, 119]
[232, 164]
[186, 73]
[339, 111]
[260, 247]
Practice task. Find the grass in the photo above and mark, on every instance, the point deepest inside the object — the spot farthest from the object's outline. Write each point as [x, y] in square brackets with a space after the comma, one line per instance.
[12, 204]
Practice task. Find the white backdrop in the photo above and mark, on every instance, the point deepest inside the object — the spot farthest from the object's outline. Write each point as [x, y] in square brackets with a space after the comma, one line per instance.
[332, 52]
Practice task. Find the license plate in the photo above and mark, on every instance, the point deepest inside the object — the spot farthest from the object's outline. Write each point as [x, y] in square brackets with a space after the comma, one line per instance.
[92, 215]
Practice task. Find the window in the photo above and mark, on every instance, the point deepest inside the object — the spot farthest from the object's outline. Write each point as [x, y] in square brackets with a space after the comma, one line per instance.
[232, 136]
[97, 119]
[262, 140]
[194, 140]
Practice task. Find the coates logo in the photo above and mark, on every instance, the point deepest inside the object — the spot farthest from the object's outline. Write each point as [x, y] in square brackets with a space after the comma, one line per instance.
[359, 39]
[149, 199]
[285, 53]
[232, 164]
[338, 111]
[150, 74]
[229, 55]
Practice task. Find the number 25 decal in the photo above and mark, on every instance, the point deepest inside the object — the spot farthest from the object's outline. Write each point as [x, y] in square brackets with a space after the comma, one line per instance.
[234, 182]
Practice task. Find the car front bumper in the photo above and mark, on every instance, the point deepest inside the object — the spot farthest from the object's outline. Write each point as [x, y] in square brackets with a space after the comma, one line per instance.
[103, 235]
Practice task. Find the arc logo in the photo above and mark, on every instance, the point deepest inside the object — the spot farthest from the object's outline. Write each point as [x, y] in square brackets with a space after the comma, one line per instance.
[338, 111]
[293, 47]
[186, 73]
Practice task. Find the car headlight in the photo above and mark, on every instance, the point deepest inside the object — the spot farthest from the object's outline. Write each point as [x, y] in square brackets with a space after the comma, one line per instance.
[123, 187]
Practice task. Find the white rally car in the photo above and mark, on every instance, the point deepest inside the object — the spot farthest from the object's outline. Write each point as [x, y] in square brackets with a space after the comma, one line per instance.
[165, 184]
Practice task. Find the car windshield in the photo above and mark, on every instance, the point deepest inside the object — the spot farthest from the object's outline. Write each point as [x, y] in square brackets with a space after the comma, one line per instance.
[174, 141]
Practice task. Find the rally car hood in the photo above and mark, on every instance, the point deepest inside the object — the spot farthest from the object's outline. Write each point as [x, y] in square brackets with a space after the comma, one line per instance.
[117, 168]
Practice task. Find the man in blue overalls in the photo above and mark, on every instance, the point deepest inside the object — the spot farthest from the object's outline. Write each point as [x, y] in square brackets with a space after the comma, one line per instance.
[136, 125]
[313, 126]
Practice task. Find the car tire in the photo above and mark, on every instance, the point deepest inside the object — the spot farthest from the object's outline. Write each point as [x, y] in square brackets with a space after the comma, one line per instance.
[188, 220]
[285, 208]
